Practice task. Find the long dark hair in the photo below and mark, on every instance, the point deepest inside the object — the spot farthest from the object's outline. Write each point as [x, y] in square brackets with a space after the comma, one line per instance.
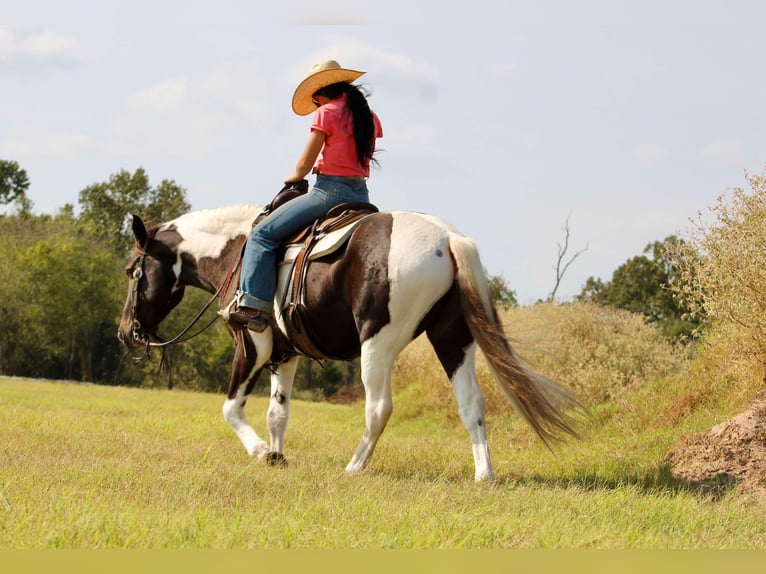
[361, 116]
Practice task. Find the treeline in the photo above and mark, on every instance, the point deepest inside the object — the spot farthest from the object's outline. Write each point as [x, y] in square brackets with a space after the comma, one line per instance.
[62, 287]
[61, 284]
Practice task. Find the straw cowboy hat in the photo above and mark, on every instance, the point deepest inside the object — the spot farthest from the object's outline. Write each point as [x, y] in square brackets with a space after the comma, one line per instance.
[320, 76]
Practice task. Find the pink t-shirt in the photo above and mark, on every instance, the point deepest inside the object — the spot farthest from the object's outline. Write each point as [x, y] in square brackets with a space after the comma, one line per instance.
[338, 156]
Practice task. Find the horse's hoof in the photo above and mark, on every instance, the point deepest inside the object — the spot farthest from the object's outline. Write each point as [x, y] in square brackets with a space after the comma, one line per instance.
[275, 459]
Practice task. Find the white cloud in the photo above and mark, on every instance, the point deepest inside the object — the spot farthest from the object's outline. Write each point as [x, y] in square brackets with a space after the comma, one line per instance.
[352, 53]
[7, 43]
[727, 152]
[34, 143]
[161, 97]
[504, 69]
[51, 46]
[244, 90]
[344, 13]
[650, 154]
[191, 116]
[45, 48]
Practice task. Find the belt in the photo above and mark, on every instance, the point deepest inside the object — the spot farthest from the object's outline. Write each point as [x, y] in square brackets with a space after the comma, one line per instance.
[315, 171]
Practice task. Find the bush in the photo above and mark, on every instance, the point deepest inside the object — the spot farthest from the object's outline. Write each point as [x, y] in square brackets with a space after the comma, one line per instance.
[724, 272]
[598, 352]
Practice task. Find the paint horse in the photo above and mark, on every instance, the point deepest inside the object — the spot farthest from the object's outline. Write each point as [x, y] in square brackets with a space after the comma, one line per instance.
[399, 274]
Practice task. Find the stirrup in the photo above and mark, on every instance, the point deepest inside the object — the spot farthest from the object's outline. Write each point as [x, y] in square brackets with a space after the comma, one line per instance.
[225, 312]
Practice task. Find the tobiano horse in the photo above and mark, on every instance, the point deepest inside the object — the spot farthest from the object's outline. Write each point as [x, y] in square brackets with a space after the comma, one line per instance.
[400, 274]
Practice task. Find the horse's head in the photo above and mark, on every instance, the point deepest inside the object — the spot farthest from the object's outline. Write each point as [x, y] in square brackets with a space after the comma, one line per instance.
[153, 287]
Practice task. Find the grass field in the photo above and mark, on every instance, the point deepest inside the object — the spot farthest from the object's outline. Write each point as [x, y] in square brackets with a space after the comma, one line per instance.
[86, 467]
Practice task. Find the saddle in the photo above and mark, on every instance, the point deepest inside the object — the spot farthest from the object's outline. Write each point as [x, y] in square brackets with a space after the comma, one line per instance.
[324, 237]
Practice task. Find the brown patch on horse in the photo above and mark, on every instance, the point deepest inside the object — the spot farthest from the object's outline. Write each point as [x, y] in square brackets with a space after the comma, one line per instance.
[244, 359]
[225, 265]
[347, 290]
[447, 330]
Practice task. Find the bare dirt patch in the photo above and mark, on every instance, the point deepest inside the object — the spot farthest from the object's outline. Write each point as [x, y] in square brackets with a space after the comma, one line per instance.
[731, 455]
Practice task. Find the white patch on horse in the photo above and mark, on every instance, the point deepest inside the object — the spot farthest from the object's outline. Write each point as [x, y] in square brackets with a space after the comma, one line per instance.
[234, 409]
[418, 271]
[419, 275]
[440, 223]
[206, 233]
[465, 385]
[177, 267]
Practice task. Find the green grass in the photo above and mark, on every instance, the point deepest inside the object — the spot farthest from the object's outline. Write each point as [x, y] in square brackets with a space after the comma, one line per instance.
[86, 467]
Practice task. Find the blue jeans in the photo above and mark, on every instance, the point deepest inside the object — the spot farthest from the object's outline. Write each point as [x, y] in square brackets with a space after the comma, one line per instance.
[258, 281]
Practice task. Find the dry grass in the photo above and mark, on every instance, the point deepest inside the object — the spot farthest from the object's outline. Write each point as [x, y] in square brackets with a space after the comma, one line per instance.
[599, 353]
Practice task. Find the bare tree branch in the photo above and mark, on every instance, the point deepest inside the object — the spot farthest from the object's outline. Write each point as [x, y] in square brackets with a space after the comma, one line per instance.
[561, 265]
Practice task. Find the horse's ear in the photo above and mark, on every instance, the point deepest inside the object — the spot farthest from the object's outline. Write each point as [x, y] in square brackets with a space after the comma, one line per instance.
[139, 230]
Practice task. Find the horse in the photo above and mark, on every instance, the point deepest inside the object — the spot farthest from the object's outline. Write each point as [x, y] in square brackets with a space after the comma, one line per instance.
[399, 274]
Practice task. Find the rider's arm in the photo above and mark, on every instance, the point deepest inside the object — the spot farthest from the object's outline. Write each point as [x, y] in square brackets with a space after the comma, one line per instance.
[309, 156]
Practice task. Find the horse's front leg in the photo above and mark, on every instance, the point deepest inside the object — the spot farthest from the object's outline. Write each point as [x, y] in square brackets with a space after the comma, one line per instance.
[252, 352]
[279, 408]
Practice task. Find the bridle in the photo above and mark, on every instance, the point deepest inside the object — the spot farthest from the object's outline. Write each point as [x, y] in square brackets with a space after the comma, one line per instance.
[136, 328]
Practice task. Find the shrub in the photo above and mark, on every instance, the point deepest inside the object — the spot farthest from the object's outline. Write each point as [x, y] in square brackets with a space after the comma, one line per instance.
[598, 352]
[724, 271]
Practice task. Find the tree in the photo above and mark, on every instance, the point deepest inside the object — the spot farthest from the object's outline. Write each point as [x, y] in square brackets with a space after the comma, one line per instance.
[59, 298]
[645, 285]
[562, 264]
[107, 205]
[503, 296]
[14, 182]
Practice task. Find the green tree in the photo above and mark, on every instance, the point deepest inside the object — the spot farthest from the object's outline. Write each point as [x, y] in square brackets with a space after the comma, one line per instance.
[59, 300]
[503, 296]
[14, 182]
[644, 285]
[106, 206]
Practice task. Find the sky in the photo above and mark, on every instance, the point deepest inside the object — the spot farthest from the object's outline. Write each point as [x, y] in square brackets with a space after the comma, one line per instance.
[511, 120]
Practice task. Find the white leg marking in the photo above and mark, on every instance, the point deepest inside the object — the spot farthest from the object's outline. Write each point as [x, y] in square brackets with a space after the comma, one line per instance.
[279, 403]
[471, 408]
[376, 376]
[234, 409]
[234, 413]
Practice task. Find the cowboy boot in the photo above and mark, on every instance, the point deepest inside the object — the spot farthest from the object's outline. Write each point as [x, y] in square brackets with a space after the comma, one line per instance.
[254, 319]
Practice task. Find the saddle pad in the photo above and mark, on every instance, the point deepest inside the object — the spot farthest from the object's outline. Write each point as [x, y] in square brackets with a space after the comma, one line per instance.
[324, 246]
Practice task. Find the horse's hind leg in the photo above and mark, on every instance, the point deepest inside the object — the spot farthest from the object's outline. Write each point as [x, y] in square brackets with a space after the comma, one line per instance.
[376, 376]
[245, 369]
[456, 350]
[470, 401]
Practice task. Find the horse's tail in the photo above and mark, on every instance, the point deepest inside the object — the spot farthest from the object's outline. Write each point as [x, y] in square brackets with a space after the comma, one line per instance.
[550, 409]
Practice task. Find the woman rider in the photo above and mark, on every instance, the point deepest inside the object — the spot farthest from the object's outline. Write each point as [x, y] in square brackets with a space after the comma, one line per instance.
[343, 134]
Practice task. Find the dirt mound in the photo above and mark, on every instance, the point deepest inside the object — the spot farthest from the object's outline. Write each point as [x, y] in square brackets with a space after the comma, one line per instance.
[730, 455]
